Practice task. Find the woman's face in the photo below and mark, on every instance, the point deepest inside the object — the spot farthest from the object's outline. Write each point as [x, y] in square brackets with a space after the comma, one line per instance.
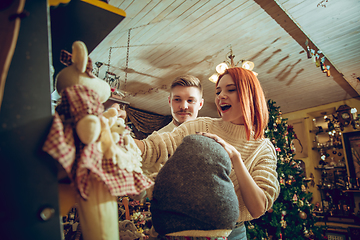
[227, 101]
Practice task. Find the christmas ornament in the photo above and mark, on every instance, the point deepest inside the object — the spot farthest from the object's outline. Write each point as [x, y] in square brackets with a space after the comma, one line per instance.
[328, 71]
[306, 232]
[302, 215]
[295, 198]
[270, 210]
[282, 181]
[283, 222]
[251, 226]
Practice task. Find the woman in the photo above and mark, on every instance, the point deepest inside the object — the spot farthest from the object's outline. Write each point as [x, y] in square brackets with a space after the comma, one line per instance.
[241, 104]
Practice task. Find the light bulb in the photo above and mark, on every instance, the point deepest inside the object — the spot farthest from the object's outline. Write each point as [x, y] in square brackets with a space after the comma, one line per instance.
[248, 65]
[214, 78]
[221, 68]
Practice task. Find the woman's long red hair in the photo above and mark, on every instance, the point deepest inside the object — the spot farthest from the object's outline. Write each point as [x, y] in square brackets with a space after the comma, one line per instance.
[252, 100]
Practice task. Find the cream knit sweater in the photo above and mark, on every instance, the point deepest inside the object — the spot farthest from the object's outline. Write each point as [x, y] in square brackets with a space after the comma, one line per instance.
[168, 128]
[258, 155]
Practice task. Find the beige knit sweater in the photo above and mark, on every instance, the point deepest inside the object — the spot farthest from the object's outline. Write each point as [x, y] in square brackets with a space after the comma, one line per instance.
[258, 155]
[168, 128]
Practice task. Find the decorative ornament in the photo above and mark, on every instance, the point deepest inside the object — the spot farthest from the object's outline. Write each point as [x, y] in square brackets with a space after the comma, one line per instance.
[282, 181]
[295, 198]
[283, 222]
[302, 215]
[306, 232]
[344, 116]
[301, 203]
[328, 71]
[278, 120]
[317, 61]
[251, 226]
[322, 64]
[303, 188]
[270, 210]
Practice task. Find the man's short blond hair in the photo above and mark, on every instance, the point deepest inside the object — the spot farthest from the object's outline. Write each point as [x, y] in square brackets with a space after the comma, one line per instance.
[187, 81]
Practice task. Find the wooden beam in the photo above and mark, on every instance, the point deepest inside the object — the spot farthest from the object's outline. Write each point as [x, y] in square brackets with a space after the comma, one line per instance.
[285, 21]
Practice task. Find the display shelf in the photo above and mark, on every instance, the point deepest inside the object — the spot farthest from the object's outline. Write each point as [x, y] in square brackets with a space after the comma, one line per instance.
[352, 190]
[328, 147]
[330, 168]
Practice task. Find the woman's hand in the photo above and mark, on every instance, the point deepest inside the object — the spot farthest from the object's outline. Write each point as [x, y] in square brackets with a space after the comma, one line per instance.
[233, 153]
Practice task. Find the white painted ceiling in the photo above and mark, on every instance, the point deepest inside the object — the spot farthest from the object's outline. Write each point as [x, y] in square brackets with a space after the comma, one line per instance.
[159, 40]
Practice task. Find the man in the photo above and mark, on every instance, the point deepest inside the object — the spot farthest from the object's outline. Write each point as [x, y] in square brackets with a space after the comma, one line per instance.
[185, 101]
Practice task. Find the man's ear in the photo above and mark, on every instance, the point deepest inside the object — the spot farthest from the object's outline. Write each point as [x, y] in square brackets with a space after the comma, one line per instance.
[201, 103]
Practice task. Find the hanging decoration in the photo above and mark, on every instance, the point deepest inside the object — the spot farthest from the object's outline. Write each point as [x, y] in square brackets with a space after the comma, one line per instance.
[318, 58]
[220, 68]
[303, 216]
[113, 80]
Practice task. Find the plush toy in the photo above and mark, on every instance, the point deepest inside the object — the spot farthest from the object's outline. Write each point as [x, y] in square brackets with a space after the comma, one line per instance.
[117, 144]
[121, 135]
[88, 124]
[128, 231]
[120, 129]
[107, 142]
[80, 139]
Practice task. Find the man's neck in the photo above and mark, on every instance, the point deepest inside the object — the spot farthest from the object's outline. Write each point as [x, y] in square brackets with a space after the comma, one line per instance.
[176, 123]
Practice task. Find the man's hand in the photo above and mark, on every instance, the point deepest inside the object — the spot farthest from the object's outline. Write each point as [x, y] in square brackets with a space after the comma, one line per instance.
[121, 113]
[140, 145]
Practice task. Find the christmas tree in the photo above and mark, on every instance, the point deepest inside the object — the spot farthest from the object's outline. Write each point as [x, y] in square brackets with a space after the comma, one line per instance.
[291, 215]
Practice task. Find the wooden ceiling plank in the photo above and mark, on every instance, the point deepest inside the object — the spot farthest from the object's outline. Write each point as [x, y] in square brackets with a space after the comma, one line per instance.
[299, 36]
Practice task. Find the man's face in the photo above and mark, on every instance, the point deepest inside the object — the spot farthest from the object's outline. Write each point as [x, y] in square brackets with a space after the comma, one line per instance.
[185, 103]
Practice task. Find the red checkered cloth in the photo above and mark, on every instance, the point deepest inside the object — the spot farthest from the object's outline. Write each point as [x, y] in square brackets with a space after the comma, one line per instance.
[66, 59]
[82, 160]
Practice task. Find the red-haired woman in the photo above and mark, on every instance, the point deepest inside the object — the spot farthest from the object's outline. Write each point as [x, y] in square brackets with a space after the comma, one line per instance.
[242, 106]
